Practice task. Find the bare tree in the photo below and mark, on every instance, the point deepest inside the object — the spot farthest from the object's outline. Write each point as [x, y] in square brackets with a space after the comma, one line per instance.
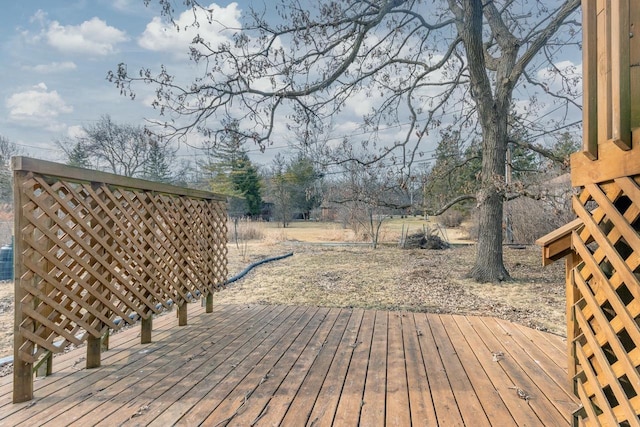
[124, 149]
[420, 64]
[8, 149]
[367, 196]
[279, 189]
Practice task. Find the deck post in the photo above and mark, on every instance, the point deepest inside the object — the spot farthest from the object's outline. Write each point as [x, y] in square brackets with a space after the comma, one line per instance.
[94, 344]
[46, 367]
[209, 302]
[182, 314]
[105, 340]
[571, 261]
[145, 330]
[49, 369]
[22, 371]
[94, 350]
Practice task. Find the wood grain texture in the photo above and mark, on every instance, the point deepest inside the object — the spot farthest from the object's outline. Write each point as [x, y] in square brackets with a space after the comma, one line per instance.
[275, 365]
[90, 252]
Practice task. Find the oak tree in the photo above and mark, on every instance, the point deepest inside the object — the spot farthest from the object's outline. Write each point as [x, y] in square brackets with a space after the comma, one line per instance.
[417, 63]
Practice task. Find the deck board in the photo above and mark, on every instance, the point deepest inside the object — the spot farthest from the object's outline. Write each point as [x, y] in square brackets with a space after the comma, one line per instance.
[397, 409]
[514, 363]
[298, 413]
[447, 411]
[278, 365]
[488, 397]
[326, 404]
[374, 399]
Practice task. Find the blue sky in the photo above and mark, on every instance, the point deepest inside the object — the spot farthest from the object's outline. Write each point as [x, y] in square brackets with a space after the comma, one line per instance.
[55, 55]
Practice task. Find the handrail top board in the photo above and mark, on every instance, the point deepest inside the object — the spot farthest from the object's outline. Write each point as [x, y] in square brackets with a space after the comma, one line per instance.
[73, 173]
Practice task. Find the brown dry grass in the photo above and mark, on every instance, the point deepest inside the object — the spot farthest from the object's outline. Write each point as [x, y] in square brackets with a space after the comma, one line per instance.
[395, 279]
[324, 273]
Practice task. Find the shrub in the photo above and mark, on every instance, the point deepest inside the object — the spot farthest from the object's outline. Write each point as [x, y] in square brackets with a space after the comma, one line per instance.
[451, 218]
[244, 229]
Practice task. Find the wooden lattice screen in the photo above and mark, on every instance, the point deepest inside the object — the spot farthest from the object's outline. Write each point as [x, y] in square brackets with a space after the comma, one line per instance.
[606, 337]
[96, 251]
[603, 290]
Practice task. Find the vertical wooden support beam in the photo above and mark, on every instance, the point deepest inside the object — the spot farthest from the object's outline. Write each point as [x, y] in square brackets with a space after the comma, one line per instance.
[45, 245]
[94, 352]
[94, 344]
[634, 64]
[620, 74]
[572, 297]
[49, 370]
[46, 367]
[182, 314]
[209, 303]
[105, 340]
[146, 327]
[22, 371]
[604, 69]
[590, 80]
[147, 324]
[603, 52]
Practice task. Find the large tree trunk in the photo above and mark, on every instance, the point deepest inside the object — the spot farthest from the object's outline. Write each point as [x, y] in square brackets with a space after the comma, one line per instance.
[489, 265]
[493, 113]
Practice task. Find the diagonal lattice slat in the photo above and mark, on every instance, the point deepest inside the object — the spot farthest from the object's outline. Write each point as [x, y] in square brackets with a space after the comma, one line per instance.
[93, 252]
[606, 343]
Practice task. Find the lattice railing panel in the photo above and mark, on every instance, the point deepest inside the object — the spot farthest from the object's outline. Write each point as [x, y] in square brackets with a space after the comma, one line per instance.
[607, 340]
[94, 252]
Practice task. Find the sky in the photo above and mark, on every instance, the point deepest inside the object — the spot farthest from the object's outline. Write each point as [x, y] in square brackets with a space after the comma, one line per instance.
[55, 56]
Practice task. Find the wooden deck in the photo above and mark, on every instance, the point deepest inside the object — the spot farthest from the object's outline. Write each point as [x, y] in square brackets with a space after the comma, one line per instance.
[294, 366]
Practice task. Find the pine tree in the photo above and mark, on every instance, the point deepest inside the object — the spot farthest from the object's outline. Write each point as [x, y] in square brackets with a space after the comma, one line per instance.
[156, 168]
[245, 180]
[79, 157]
[232, 174]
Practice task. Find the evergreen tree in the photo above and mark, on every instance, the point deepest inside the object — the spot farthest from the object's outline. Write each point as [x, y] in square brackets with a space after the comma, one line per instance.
[453, 174]
[303, 177]
[78, 156]
[246, 182]
[157, 168]
[231, 173]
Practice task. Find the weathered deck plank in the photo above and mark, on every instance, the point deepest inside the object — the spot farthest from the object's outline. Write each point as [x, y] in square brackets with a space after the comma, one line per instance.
[519, 378]
[447, 411]
[373, 401]
[489, 400]
[306, 398]
[275, 365]
[326, 405]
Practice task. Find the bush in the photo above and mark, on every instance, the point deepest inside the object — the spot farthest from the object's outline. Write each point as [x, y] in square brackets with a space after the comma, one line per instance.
[451, 218]
[427, 239]
[244, 229]
[531, 219]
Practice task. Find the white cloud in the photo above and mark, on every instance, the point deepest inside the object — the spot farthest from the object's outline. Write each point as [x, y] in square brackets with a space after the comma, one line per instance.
[93, 37]
[38, 107]
[76, 131]
[40, 17]
[122, 5]
[551, 77]
[52, 67]
[163, 36]
[360, 103]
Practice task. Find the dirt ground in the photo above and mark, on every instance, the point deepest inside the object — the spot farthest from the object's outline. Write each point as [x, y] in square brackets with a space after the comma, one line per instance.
[394, 279]
[327, 271]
